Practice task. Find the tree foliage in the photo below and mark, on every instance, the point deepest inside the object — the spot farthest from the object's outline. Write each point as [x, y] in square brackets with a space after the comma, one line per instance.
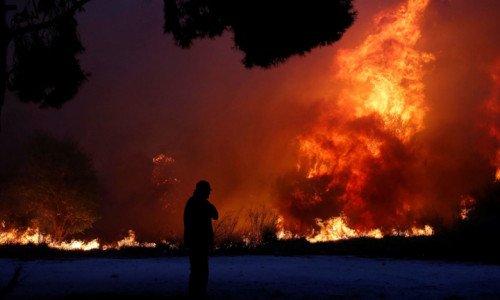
[45, 42]
[268, 32]
[57, 187]
[46, 69]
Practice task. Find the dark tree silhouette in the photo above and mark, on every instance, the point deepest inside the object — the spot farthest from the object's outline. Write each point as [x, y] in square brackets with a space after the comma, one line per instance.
[268, 32]
[484, 214]
[56, 187]
[45, 43]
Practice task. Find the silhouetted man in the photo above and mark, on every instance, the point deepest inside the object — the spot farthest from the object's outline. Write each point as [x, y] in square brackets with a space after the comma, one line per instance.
[199, 237]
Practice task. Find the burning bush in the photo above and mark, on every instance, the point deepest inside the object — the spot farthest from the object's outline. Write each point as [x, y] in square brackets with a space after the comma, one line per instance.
[262, 222]
[252, 227]
[225, 230]
[55, 188]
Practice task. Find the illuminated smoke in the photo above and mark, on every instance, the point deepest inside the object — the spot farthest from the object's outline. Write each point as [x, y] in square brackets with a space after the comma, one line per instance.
[381, 159]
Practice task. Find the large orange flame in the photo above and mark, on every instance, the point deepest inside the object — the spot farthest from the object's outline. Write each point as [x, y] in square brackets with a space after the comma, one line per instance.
[362, 134]
[383, 82]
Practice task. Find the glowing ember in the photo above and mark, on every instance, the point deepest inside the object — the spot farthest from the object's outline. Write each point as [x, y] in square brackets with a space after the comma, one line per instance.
[466, 207]
[414, 231]
[160, 176]
[163, 179]
[131, 242]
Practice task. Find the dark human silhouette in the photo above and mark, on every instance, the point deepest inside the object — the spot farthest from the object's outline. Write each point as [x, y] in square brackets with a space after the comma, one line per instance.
[199, 237]
[268, 32]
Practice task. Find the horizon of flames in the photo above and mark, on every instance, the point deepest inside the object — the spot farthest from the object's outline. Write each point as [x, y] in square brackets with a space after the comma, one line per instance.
[380, 107]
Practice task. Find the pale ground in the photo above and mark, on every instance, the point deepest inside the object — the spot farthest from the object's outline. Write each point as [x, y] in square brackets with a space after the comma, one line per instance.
[253, 277]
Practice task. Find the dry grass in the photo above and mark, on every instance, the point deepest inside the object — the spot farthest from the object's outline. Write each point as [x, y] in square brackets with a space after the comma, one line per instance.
[251, 227]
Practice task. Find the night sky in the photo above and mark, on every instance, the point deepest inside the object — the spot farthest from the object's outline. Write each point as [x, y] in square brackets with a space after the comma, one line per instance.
[232, 126]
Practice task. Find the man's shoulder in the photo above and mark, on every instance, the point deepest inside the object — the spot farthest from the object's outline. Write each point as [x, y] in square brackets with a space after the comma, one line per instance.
[193, 202]
[189, 204]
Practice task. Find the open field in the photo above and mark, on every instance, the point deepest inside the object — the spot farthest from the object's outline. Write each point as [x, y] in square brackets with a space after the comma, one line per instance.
[249, 277]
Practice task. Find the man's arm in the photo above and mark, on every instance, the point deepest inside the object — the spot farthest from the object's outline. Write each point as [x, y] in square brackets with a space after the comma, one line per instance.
[212, 211]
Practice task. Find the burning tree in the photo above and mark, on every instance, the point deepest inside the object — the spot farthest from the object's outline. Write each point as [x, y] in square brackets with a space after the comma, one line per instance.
[384, 156]
[356, 163]
[56, 187]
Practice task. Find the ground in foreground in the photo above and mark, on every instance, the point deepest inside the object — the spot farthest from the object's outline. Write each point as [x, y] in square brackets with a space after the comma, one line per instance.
[249, 277]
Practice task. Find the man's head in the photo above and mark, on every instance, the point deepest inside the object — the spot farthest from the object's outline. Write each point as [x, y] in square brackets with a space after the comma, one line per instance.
[203, 189]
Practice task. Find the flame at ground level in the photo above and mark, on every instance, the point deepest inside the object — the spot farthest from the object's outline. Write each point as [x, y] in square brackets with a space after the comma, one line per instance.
[337, 228]
[333, 229]
[34, 236]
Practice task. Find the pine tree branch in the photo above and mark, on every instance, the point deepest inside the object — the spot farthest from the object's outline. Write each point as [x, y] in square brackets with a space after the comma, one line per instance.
[46, 24]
